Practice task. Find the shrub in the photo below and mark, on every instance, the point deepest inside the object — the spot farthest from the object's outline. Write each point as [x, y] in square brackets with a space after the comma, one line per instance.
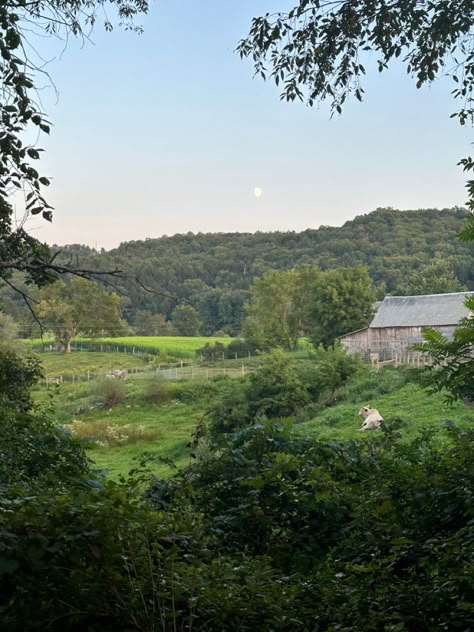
[274, 390]
[195, 391]
[157, 390]
[212, 352]
[241, 349]
[330, 369]
[111, 392]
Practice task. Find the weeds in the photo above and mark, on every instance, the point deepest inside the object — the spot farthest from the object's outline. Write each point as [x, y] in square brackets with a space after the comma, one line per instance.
[111, 392]
[105, 434]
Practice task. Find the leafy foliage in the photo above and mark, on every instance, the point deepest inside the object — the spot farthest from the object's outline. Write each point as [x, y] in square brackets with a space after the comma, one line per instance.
[185, 320]
[317, 49]
[79, 307]
[392, 244]
[341, 302]
[453, 361]
[23, 25]
[17, 376]
[281, 388]
[435, 278]
[31, 446]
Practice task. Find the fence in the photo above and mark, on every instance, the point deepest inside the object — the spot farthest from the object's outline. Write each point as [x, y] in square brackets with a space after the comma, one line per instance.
[412, 359]
[102, 347]
[139, 350]
[178, 371]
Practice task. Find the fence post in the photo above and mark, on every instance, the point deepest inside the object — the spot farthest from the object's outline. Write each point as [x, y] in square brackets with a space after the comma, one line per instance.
[207, 374]
[88, 376]
[243, 370]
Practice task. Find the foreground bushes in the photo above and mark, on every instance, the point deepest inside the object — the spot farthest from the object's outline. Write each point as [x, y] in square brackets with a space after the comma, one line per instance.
[272, 532]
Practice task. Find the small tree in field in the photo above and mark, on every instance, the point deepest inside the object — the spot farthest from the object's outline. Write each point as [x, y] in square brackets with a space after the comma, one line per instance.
[79, 308]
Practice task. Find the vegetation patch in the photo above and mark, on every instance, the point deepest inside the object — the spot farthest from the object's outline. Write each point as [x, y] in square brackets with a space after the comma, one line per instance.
[105, 434]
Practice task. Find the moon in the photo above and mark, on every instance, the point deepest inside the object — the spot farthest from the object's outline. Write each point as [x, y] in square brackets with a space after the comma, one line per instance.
[258, 192]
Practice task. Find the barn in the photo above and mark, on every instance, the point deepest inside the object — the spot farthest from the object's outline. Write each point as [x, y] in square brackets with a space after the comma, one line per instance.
[400, 320]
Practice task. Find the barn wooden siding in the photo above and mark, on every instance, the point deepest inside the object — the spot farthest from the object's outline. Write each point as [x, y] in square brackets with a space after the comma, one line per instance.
[387, 342]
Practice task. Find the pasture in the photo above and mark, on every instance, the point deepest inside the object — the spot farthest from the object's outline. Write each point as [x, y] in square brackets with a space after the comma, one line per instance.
[407, 406]
[168, 348]
[175, 346]
[80, 362]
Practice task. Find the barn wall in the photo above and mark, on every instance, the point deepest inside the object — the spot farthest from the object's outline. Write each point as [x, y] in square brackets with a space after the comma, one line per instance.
[357, 342]
[387, 341]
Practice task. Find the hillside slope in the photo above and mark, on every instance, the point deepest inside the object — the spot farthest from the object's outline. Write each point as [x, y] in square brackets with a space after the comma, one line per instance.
[213, 271]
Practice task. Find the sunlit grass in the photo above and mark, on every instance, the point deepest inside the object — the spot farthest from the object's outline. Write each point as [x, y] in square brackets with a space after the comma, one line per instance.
[177, 346]
[410, 403]
[81, 362]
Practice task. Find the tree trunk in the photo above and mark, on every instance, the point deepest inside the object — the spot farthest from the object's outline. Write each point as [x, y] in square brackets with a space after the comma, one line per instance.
[67, 347]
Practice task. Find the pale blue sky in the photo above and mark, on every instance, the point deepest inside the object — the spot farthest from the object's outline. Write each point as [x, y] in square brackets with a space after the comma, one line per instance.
[168, 132]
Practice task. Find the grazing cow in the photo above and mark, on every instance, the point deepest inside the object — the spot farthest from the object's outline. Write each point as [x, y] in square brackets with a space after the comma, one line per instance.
[117, 374]
[120, 374]
[372, 419]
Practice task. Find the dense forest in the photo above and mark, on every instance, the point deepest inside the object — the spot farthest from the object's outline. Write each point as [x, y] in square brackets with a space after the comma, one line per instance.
[213, 271]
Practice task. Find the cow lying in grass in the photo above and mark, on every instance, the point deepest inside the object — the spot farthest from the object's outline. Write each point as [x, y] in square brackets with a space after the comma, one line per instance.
[372, 418]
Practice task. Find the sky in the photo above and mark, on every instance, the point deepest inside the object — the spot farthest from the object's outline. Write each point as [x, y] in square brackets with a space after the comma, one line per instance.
[168, 132]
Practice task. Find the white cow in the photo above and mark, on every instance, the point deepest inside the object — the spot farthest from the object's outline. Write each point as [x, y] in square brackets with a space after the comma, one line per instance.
[372, 419]
[117, 374]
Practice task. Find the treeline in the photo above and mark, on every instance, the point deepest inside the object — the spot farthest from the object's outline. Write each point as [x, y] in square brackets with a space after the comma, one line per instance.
[404, 251]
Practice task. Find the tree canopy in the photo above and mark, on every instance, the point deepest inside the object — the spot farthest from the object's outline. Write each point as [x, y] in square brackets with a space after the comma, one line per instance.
[305, 301]
[23, 25]
[79, 308]
[213, 272]
[320, 50]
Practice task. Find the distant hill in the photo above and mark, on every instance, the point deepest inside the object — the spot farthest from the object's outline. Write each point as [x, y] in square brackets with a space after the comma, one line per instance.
[214, 270]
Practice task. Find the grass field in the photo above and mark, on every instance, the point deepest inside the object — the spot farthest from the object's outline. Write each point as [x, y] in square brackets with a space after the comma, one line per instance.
[410, 403]
[170, 424]
[177, 346]
[167, 427]
[79, 362]
[175, 423]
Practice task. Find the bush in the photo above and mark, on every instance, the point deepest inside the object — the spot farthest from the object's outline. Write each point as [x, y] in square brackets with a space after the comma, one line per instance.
[328, 372]
[274, 390]
[157, 390]
[195, 391]
[212, 352]
[111, 392]
[241, 349]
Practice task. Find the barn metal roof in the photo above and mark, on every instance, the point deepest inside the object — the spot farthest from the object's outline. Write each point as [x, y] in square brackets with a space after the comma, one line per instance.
[418, 311]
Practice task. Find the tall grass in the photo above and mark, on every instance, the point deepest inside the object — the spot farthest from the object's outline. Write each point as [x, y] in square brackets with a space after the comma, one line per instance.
[105, 434]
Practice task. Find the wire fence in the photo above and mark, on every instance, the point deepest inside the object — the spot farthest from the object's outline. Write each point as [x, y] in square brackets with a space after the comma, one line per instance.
[176, 371]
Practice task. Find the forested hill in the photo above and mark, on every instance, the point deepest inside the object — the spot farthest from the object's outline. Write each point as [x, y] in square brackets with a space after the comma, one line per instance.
[214, 270]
